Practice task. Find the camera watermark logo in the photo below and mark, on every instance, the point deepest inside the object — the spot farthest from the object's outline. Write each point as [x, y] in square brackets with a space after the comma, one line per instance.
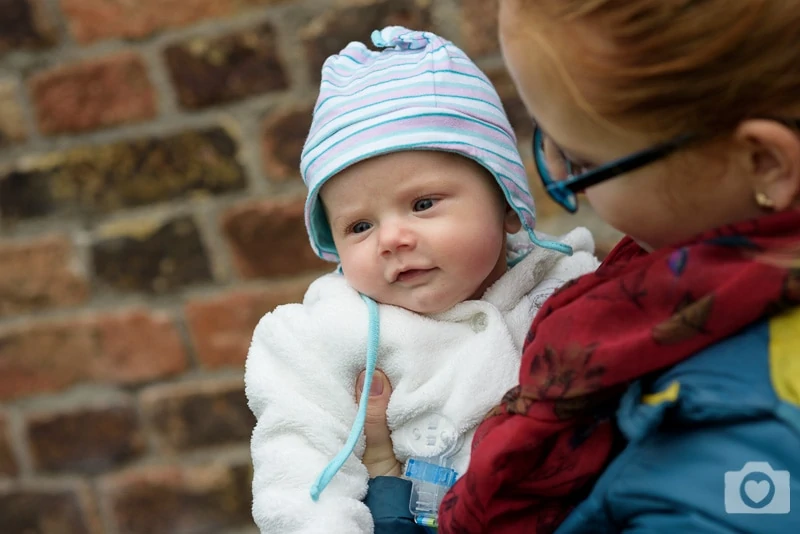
[757, 489]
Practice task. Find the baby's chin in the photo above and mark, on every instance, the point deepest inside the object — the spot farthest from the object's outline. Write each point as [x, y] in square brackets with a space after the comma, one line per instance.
[430, 310]
[425, 306]
[424, 301]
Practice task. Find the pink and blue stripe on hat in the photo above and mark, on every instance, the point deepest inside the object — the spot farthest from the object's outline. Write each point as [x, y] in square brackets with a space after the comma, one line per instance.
[420, 92]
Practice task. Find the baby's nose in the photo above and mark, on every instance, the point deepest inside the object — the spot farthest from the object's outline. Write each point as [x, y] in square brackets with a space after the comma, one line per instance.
[395, 235]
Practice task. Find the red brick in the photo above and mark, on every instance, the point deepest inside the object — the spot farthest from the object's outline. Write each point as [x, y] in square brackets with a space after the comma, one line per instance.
[97, 179]
[94, 94]
[12, 126]
[222, 326]
[208, 72]
[269, 238]
[87, 439]
[191, 415]
[24, 24]
[151, 255]
[44, 357]
[39, 274]
[479, 27]
[124, 347]
[353, 20]
[285, 132]
[45, 508]
[8, 463]
[137, 346]
[91, 20]
[179, 500]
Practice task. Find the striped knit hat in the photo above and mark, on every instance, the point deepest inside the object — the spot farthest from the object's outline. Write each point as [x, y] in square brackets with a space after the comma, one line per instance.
[420, 92]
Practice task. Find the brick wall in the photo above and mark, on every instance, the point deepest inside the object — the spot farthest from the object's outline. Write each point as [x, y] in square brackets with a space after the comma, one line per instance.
[150, 213]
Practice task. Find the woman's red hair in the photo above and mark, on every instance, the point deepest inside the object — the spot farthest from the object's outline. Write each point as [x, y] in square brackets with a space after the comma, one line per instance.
[677, 66]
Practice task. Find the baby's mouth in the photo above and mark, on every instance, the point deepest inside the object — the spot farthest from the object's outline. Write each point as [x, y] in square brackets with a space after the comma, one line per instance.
[411, 274]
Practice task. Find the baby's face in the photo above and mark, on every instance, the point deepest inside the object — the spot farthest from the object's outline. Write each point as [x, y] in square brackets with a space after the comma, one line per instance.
[419, 230]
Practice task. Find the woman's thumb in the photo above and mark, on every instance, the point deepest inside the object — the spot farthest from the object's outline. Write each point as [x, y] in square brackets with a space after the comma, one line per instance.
[379, 393]
[379, 455]
[379, 382]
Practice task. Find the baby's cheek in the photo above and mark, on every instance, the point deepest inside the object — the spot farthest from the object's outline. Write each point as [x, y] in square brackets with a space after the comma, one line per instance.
[359, 274]
[484, 252]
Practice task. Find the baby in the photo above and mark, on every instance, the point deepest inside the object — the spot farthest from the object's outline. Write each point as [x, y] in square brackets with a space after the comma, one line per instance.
[417, 190]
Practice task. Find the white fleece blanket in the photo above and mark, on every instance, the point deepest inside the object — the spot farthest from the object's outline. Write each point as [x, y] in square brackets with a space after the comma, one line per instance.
[446, 372]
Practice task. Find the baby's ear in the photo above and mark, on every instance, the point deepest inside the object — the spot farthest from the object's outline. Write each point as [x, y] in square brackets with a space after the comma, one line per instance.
[512, 224]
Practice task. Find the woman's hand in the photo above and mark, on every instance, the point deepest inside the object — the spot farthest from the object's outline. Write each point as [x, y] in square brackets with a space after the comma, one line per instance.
[379, 455]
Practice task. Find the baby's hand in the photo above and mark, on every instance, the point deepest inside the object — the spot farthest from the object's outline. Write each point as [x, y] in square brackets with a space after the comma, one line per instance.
[379, 455]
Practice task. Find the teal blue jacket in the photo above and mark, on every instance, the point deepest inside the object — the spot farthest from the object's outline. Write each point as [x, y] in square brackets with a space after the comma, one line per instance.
[387, 500]
[713, 443]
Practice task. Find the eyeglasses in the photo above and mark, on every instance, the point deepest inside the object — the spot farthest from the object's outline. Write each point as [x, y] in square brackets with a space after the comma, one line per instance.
[563, 179]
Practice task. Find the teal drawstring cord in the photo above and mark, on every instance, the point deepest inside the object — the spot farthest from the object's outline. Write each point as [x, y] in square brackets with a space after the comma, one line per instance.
[552, 245]
[358, 425]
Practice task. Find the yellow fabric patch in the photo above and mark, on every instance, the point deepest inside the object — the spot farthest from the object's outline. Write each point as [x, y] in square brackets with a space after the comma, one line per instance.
[784, 355]
[670, 394]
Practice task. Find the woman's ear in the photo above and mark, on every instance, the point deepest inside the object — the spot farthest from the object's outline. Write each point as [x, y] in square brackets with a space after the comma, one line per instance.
[512, 224]
[772, 152]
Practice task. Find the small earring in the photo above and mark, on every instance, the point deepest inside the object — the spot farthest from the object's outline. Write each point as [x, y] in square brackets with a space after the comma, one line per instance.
[764, 201]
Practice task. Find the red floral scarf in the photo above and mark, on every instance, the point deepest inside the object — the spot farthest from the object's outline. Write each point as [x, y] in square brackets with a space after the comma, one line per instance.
[538, 453]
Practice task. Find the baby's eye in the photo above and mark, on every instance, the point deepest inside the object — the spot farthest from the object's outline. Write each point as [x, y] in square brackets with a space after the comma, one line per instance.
[423, 204]
[359, 227]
